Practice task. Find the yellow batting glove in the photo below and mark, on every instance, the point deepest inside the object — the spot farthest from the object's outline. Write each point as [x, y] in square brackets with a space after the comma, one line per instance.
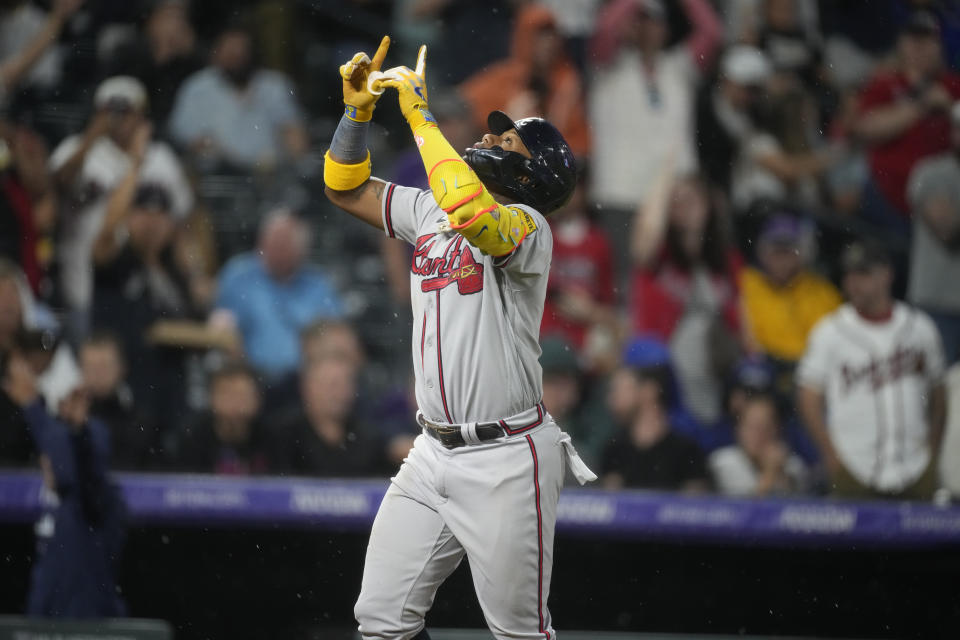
[357, 96]
[411, 86]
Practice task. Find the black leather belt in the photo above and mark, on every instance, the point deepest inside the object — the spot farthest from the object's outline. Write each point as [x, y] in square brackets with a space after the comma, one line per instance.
[451, 438]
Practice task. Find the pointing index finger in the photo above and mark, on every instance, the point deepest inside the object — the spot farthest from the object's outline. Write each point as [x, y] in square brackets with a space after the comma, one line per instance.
[421, 60]
[381, 53]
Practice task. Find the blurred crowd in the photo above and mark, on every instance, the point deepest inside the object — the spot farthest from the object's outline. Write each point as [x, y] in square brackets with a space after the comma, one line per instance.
[766, 186]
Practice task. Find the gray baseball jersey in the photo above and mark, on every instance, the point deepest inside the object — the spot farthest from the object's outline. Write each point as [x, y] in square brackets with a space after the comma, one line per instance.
[476, 357]
[476, 327]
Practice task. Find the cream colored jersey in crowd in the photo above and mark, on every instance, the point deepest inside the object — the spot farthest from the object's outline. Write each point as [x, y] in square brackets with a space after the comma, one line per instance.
[876, 378]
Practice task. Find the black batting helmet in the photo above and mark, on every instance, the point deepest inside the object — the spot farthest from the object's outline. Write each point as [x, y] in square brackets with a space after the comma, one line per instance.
[545, 181]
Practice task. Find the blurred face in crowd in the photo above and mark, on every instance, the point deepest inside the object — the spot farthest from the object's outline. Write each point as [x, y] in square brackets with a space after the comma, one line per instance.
[337, 341]
[102, 368]
[781, 14]
[869, 289]
[646, 31]
[630, 393]
[781, 261]
[329, 389]
[233, 55]
[757, 427]
[622, 396]
[151, 229]
[283, 246]
[169, 31]
[11, 312]
[742, 97]
[123, 120]
[546, 47]
[921, 54]
[235, 402]
[561, 393]
[689, 210]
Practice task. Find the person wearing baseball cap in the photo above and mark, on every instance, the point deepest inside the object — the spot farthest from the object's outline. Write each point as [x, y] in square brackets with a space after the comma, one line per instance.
[116, 148]
[870, 386]
[903, 118]
[782, 296]
[725, 115]
[934, 196]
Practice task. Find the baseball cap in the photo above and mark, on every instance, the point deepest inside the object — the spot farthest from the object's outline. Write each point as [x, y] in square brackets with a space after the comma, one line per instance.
[922, 23]
[645, 352]
[745, 65]
[754, 373]
[782, 229]
[860, 255]
[153, 196]
[122, 91]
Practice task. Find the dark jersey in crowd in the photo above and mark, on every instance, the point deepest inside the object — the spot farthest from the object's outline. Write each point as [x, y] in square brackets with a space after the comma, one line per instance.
[128, 299]
[16, 446]
[300, 451]
[669, 464]
[135, 438]
[200, 450]
[80, 534]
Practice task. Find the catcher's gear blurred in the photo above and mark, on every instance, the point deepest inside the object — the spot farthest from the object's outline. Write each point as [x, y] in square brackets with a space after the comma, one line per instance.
[545, 182]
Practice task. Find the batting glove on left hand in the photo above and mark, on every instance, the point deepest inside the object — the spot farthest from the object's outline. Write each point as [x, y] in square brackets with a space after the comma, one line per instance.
[357, 95]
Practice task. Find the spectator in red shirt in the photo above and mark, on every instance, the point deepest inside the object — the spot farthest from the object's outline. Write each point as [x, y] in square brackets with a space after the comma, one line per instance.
[684, 287]
[904, 118]
[580, 291]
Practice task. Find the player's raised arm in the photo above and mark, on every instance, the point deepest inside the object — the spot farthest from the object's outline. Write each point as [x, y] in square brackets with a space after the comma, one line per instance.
[346, 169]
[471, 209]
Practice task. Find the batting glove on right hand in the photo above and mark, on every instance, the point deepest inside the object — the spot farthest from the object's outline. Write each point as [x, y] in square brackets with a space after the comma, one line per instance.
[357, 95]
[411, 86]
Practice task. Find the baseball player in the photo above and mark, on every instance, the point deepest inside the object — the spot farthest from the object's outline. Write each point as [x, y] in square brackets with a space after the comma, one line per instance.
[484, 476]
[871, 389]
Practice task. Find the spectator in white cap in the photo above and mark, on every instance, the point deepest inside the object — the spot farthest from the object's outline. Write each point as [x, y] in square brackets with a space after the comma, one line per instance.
[933, 192]
[88, 167]
[725, 112]
[771, 162]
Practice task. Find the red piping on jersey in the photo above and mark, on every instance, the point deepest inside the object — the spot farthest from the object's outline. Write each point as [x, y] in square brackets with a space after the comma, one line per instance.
[465, 200]
[387, 214]
[423, 337]
[526, 427]
[430, 175]
[536, 488]
[443, 393]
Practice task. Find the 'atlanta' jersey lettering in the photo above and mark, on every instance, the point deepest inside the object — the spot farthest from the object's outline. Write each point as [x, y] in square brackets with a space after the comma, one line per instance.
[462, 298]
